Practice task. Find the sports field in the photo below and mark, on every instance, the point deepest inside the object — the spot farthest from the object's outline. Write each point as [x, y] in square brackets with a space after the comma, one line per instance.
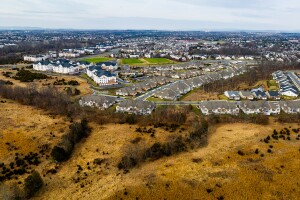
[97, 59]
[131, 61]
[146, 61]
[158, 60]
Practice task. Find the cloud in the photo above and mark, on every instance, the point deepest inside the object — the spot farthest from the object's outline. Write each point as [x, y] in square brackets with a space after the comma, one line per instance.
[188, 14]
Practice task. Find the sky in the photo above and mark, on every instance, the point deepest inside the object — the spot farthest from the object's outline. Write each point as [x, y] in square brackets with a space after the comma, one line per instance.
[281, 15]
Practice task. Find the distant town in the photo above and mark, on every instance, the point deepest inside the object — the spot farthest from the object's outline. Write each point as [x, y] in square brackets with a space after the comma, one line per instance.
[140, 70]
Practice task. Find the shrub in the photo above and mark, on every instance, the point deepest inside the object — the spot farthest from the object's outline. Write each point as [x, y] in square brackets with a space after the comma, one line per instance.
[131, 119]
[64, 149]
[27, 76]
[33, 184]
[241, 153]
[127, 162]
[73, 82]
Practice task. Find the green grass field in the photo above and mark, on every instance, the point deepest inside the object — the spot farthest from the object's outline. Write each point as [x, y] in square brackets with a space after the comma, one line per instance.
[272, 85]
[97, 59]
[131, 61]
[158, 60]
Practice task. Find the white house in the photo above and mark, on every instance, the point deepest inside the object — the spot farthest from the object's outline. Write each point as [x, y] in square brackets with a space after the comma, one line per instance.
[100, 76]
[290, 107]
[35, 58]
[101, 102]
[138, 107]
[59, 66]
[260, 107]
[219, 107]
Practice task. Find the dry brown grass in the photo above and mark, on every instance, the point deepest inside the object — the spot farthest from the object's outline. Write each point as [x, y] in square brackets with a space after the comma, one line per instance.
[83, 87]
[200, 95]
[217, 167]
[26, 128]
[184, 176]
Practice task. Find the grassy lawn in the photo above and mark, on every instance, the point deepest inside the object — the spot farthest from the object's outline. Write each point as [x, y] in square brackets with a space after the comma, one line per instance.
[158, 60]
[223, 97]
[272, 85]
[146, 61]
[97, 59]
[288, 98]
[131, 61]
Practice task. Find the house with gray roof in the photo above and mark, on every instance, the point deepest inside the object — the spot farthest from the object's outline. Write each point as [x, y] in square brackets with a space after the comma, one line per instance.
[97, 101]
[100, 76]
[290, 107]
[233, 95]
[138, 107]
[168, 94]
[246, 95]
[180, 87]
[260, 107]
[219, 107]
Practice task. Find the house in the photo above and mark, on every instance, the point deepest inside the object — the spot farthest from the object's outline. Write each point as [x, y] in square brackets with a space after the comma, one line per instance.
[68, 53]
[260, 95]
[246, 95]
[181, 87]
[274, 95]
[100, 76]
[109, 66]
[234, 95]
[290, 107]
[260, 107]
[101, 102]
[66, 68]
[43, 66]
[259, 89]
[168, 94]
[219, 107]
[295, 79]
[35, 58]
[289, 91]
[61, 66]
[138, 107]
[127, 91]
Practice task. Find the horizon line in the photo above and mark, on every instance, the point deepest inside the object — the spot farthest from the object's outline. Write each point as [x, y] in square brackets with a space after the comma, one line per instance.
[19, 28]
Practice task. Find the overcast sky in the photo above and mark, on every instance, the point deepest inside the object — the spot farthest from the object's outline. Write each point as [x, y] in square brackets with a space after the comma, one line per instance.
[153, 14]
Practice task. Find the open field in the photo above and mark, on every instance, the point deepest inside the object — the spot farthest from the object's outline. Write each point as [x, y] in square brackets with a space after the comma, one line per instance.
[131, 61]
[211, 172]
[26, 128]
[199, 95]
[146, 61]
[214, 171]
[97, 59]
[159, 61]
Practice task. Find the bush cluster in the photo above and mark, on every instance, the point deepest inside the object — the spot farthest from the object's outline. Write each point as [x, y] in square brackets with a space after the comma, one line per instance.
[64, 149]
[139, 154]
[33, 183]
[28, 76]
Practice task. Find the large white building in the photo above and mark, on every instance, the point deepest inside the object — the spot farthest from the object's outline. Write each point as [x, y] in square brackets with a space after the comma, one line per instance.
[60, 66]
[68, 53]
[100, 76]
[35, 58]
